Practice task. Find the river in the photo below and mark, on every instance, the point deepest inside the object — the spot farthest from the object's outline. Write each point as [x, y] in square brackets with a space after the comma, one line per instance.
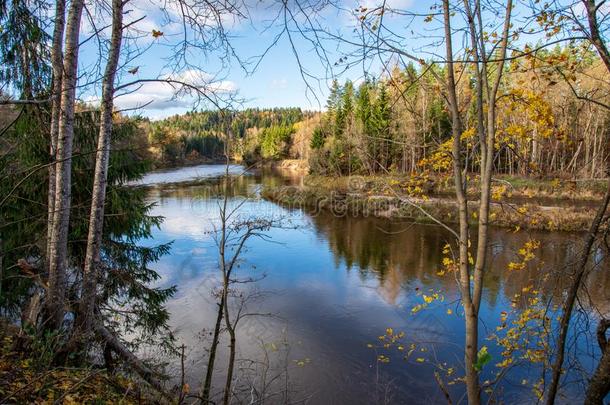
[325, 288]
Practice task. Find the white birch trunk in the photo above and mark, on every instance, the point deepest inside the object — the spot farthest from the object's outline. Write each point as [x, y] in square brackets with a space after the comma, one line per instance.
[96, 218]
[57, 65]
[63, 170]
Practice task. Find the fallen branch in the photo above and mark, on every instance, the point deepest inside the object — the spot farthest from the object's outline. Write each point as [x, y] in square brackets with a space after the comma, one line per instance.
[147, 374]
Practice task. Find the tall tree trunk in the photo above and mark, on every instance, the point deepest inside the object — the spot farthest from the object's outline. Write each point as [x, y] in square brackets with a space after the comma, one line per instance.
[63, 169]
[226, 280]
[57, 66]
[488, 140]
[579, 276]
[471, 344]
[96, 218]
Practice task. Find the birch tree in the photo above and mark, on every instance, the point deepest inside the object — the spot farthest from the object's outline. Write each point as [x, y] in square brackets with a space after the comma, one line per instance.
[380, 41]
[56, 91]
[58, 260]
[96, 218]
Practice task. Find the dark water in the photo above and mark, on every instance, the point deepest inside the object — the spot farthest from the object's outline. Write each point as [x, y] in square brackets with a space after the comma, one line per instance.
[328, 286]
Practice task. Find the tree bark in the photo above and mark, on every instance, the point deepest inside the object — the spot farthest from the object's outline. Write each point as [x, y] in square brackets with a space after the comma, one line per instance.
[57, 66]
[599, 386]
[63, 169]
[96, 218]
[594, 35]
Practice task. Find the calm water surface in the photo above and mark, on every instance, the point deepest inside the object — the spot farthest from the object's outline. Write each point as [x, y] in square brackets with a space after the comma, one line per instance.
[328, 286]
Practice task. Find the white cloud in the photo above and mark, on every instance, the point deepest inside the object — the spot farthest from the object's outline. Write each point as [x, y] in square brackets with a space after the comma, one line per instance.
[200, 15]
[153, 16]
[389, 4]
[160, 95]
[279, 84]
[152, 96]
[205, 81]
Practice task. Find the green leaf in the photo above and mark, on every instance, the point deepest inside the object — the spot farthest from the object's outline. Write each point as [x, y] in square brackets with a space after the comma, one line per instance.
[483, 357]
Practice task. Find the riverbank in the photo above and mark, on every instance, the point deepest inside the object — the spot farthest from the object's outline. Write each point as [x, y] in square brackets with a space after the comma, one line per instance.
[298, 166]
[187, 162]
[28, 375]
[519, 203]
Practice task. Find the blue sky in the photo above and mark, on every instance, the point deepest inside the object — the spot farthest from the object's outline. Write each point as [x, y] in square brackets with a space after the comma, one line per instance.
[276, 82]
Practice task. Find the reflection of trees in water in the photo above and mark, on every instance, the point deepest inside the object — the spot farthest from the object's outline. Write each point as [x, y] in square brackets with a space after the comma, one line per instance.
[598, 282]
[208, 189]
[396, 253]
[245, 185]
[399, 253]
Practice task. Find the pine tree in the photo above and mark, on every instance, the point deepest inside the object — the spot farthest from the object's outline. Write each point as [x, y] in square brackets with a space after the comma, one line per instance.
[317, 139]
[333, 98]
[363, 105]
[126, 224]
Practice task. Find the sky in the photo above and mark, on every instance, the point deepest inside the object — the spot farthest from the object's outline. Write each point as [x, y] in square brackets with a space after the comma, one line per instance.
[274, 80]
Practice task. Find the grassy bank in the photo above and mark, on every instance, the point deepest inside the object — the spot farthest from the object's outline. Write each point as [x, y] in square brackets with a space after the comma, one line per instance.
[294, 165]
[515, 188]
[518, 203]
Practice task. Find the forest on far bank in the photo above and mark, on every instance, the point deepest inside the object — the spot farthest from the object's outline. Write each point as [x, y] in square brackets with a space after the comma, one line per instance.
[257, 134]
[399, 123]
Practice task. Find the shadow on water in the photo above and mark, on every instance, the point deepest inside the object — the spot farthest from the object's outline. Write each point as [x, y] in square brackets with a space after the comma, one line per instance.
[335, 284]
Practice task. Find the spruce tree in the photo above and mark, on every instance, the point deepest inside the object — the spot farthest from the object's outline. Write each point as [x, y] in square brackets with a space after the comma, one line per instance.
[345, 111]
[363, 118]
[382, 116]
[333, 106]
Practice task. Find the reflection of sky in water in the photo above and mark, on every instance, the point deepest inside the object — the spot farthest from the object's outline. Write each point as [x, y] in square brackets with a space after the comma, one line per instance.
[334, 285]
[188, 174]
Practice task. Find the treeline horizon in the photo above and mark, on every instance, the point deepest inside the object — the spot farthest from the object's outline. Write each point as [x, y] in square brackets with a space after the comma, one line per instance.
[399, 123]
[197, 135]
